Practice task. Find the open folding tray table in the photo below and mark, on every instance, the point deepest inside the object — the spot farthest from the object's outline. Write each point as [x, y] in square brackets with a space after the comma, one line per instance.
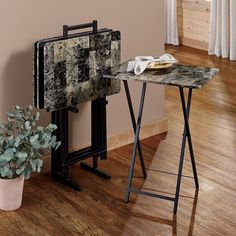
[181, 76]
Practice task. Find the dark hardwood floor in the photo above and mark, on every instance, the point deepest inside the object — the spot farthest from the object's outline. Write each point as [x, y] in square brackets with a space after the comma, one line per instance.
[50, 208]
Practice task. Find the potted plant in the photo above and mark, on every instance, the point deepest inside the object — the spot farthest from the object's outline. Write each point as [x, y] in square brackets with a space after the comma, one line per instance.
[22, 145]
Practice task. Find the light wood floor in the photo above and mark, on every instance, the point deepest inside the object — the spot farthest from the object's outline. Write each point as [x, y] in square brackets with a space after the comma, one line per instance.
[49, 208]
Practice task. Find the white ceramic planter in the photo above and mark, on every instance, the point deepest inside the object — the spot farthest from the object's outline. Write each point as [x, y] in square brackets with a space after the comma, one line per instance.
[11, 191]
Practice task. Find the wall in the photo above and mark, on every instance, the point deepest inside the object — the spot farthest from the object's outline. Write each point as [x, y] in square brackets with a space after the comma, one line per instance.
[23, 22]
[194, 23]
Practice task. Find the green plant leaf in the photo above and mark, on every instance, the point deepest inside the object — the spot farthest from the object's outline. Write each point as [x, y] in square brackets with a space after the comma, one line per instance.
[22, 143]
[27, 125]
[34, 138]
[27, 172]
[22, 155]
[20, 170]
[52, 127]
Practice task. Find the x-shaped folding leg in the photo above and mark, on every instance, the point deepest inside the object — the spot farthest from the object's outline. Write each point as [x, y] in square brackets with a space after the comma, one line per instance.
[186, 134]
[137, 146]
[136, 128]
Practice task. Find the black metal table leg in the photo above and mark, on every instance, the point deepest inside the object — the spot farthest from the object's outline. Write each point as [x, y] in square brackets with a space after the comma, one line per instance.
[134, 126]
[136, 142]
[55, 153]
[60, 172]
[187, 130]
[98, 137]
[186, 133]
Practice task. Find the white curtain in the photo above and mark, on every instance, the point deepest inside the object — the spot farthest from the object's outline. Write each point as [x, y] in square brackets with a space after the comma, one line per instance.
[222, 40]
[171, 22]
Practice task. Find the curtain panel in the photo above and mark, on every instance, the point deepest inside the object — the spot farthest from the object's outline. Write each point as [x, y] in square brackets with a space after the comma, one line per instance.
[171, 36]
[222, 41]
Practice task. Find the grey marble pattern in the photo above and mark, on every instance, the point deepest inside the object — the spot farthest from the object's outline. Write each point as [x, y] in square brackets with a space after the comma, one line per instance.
[177, 75]
[73, 70]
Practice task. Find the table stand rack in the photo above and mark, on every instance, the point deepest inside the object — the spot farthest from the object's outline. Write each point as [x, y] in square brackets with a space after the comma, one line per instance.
[61, 159]
[137, 146]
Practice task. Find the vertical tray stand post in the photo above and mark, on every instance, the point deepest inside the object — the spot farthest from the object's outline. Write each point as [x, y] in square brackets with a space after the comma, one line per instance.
[98, 137]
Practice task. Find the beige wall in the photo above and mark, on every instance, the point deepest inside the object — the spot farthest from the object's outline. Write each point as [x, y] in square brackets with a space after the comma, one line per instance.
[25, 21]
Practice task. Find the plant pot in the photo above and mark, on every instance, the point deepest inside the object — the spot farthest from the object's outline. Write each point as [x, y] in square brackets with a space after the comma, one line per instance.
[11, 191]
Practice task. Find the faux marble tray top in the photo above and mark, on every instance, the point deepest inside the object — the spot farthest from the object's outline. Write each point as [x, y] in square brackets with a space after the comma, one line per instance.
[177, 75]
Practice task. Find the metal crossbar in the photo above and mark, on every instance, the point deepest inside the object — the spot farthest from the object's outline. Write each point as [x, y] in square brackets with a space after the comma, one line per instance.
[133, 190]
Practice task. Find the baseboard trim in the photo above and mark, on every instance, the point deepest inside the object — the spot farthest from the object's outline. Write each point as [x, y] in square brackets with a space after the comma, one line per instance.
[147, 130]
[121, 139]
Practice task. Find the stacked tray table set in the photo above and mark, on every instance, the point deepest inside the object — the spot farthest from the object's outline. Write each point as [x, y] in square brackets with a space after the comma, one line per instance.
[82, 67]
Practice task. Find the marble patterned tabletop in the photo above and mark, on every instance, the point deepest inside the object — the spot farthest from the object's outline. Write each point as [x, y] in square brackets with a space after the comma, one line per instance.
[177, 75]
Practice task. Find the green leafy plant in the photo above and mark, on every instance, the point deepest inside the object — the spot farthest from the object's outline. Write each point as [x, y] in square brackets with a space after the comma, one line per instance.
[23, 143]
